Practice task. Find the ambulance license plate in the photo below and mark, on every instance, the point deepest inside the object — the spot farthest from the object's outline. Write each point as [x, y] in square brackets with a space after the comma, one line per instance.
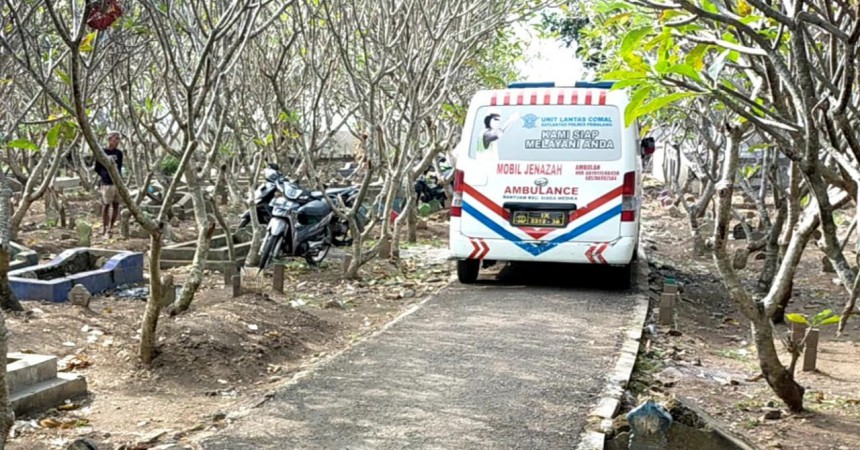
[550, 219]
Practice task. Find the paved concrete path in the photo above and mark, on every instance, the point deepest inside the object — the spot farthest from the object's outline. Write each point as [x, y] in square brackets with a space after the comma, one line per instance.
[496, 365]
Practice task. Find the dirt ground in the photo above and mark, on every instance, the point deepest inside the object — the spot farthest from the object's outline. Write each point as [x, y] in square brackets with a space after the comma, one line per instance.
[708, 356]
[222, 353]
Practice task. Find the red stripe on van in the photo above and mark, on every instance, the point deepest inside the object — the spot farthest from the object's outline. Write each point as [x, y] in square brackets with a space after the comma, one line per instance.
[588, 97]
[597, 203]
[561, 98]
[533, 100]
[538, 233]
[547, 98]
[486, 202]
[494, 100]
[574, 99]
[507, 100]
[520, 98]
[602, 98]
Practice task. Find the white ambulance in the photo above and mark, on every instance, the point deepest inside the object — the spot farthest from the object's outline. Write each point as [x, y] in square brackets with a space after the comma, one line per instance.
[547, 174]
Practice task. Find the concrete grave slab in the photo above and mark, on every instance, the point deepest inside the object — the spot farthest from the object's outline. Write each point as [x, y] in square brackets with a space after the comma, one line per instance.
[54, 280]
[35, 385]
[182, 254]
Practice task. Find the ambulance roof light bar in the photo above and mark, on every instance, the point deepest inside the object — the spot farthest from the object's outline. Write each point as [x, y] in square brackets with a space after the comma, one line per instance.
[525, 84]
[551, 84]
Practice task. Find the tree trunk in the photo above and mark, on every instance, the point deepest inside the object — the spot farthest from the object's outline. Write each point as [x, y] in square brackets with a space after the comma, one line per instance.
[772, 250]
[253, 257]
[8, 302]
[406, 213]
[205, 230]
[7, 416]
[777, 376]
[781, 380]
[33, 193]
[412, 225]
[195, 275]
[147, 349]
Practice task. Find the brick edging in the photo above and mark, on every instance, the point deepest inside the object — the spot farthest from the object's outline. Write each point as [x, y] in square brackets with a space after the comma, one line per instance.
[600, 418]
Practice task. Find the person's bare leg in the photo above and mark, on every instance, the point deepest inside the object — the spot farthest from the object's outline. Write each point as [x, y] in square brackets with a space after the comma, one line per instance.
[105, 218]
[115, 215]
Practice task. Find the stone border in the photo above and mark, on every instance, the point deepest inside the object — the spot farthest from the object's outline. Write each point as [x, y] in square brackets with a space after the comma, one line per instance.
[24, 258]
[610, 398]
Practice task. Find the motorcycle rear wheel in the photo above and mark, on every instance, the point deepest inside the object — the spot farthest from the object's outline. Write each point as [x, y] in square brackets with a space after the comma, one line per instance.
[322, 253]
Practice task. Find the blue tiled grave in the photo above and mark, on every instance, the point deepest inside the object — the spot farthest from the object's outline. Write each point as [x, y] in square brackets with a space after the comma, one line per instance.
[54, 280]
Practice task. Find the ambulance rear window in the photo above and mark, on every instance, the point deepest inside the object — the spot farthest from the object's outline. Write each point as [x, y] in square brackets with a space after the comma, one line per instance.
[547, 133]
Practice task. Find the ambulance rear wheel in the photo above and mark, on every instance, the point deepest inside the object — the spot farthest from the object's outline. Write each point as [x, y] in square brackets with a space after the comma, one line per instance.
[623, 276]
[467, 270]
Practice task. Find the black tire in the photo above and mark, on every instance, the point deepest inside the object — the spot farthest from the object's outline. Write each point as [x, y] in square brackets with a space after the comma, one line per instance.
[467, 270]
[326, 249]
[622, 277]
[270, 244]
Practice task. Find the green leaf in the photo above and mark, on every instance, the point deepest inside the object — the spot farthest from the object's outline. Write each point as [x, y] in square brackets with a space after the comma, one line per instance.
[822, 315]
[633, 38]
[696, 57]
[661, 102]
[628, 83]
[24, 144]
[87, 42]
[797, 318]
[619, 18]
[685, 70]
[69, 130]
[635, 101]
[54, 135]
[64, 77]
[830, 321]
[709, 6]
[148, 104]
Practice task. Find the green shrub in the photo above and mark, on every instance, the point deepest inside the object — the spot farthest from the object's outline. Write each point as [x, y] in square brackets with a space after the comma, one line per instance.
[169, 165]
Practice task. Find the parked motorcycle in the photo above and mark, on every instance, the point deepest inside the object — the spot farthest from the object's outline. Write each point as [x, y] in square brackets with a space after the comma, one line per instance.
[428, 186]
[299, 223]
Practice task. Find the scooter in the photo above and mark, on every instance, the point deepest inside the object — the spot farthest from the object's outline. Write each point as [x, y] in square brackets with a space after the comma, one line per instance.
[266, 192]
[300, 223]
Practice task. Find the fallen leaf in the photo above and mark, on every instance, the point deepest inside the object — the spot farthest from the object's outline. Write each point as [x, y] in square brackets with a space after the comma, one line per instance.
[74, 362]
[50, 423]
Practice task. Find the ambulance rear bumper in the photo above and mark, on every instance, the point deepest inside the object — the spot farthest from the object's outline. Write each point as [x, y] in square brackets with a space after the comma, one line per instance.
[617, 252]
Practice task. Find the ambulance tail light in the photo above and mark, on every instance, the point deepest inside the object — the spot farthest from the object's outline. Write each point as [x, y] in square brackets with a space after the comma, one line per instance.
[628, 198]
[457, 200]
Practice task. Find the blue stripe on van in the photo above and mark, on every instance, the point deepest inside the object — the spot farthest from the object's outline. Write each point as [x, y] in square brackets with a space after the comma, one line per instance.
[539, 247]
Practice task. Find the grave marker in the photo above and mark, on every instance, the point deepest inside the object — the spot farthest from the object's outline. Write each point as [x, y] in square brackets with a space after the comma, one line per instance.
[278, 278]
[80, 296]
[810, 351]
[667, 307]
[237, 285]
